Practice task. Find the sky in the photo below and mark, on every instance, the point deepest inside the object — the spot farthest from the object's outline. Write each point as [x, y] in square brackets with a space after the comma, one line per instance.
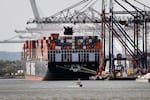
[15, 13]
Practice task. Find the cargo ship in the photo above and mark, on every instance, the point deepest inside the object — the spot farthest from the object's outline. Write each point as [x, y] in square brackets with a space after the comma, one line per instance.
[61, 57]
[62, 51]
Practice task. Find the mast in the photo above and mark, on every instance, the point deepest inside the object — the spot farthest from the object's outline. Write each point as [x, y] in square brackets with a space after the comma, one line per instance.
[102, 51]
[111, 53]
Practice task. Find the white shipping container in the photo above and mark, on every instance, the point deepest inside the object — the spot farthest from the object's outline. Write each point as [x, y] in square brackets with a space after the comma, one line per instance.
[75, 57]
[32, 68]
[73, 47]
[62, 41]
[58, 47]
[84, 47]
[69, 40]
[91, 56]
[58, 57]
[28, 68]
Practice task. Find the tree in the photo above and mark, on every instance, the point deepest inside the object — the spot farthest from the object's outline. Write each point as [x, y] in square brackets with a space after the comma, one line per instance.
[10, 69]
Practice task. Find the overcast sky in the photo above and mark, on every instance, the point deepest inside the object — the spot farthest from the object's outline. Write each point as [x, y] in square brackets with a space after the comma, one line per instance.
[15, 13]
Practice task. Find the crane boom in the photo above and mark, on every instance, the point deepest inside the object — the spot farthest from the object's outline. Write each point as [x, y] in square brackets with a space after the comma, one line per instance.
[14, 41]
[35, 10]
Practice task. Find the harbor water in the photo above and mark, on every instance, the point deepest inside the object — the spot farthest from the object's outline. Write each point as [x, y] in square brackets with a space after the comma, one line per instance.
[20, 89]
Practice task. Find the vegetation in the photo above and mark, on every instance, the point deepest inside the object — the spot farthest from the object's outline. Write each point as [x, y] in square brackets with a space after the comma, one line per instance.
[9, 68]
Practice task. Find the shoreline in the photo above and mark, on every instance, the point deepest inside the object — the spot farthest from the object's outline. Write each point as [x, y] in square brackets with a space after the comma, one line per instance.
[12, 77]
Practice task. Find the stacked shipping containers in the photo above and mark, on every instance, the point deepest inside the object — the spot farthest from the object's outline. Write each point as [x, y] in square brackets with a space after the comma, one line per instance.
[63, 48]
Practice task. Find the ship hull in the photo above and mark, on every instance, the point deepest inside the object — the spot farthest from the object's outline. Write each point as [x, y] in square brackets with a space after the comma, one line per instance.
[44, 70]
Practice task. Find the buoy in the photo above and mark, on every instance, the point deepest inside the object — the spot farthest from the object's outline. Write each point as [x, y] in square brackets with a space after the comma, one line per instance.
[79, 83]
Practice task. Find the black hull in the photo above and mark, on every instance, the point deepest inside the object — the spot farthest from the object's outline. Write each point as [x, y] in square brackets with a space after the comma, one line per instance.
[65, 71]
[45, 70]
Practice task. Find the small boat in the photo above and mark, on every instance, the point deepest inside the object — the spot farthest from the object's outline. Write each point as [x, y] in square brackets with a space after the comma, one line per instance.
[77, 85]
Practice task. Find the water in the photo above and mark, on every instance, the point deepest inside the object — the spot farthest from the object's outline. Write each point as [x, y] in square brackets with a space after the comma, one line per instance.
[20, 89]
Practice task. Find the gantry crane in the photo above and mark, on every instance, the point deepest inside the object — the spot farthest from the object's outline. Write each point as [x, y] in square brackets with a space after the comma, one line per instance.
[116, 31]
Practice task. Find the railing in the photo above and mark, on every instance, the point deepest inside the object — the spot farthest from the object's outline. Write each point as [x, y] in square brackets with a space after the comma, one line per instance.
[74, 55]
